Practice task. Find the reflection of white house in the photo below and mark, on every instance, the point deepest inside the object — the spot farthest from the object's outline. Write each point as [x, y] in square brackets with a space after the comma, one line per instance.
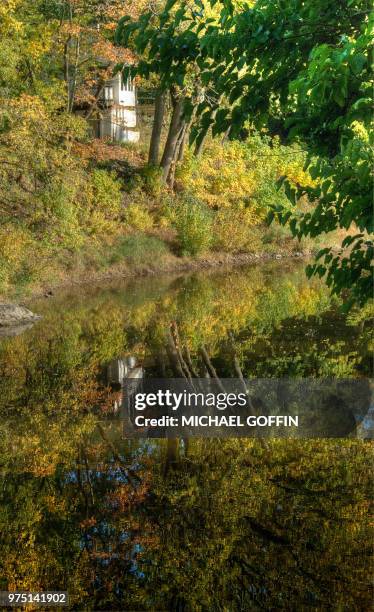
[119, 369]
[124, 374]
[118, 116]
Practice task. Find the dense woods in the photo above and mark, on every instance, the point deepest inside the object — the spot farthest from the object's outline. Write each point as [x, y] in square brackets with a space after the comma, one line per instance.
[259, 112]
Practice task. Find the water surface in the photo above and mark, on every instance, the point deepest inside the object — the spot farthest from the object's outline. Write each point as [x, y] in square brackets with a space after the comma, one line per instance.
[180, 525]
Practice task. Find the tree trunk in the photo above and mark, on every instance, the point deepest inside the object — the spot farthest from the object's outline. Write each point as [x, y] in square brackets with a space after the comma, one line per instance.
[172, 454]
[173, 135]
[226, 135]
[171, 175]
[67, 75]
[154, 147]
[67, 71]
[94, 104]
[183, 142]
[74, 81]
[200, 145]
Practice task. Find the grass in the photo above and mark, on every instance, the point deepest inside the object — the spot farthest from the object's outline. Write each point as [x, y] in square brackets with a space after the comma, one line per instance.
[138, 249]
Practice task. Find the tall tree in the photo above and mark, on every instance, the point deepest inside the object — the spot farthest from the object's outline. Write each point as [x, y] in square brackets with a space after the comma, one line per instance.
[158, 119]
[167, 44]
[306, 65]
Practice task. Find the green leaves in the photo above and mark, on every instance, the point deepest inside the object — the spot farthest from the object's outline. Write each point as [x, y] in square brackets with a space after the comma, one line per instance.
[357, 63]
[301, 65]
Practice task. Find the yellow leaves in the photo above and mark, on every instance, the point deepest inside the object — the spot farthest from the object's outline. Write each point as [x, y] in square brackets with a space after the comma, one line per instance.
[105, 335]
[28, 108]
[45, 443]
[138, 217]
[35, 49]
[141, 316]
[222, 177]
[102, 203]
[55, 504]
[235, 230]
[13, 244]
[9, 24]
[33, 130]
[360, 131]
[99, 150]
[16, 248]
[27, 44]
[71, 29]
[239, 181]
[9, 6]
[295, 174]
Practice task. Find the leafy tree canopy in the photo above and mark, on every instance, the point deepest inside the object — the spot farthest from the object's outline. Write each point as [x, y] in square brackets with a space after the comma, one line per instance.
[302, 66]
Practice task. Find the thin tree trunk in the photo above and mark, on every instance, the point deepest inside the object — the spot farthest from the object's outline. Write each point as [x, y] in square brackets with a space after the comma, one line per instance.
[179, 149]
[226, 135]
[200, 145]
[172, 139]
[171, 176]
[172, 454]
[177, 344]
[189, 363]
[211, 369]
[93, 106]
[67, 70]
[173, 356]
[154, 147]
[182, 146]
[74, 83]
[66, 59]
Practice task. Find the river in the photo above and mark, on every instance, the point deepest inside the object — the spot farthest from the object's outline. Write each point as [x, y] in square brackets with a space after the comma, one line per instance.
[181, 525]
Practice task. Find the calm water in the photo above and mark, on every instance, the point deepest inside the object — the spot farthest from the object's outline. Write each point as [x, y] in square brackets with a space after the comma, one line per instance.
[165, 525]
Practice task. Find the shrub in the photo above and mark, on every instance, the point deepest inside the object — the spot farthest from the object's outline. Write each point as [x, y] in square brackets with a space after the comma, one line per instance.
[104, 199]
[19, 257]
[59, 224]
[234, 231]
[106, 191]
[220, 177]
[277, 234]
[193, 222]
[139, 249]
[152, 183]
[243, 173]
[138, 217]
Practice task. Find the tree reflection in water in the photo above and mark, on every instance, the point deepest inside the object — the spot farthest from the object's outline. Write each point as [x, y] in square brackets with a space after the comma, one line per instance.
[170, 525]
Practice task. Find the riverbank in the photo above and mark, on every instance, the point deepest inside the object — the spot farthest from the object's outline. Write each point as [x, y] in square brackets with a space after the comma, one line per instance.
[168, 263]
[128, 224]
[109, 215]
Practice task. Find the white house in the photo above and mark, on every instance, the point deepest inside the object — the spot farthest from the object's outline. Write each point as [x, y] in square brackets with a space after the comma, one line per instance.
[118, 116]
